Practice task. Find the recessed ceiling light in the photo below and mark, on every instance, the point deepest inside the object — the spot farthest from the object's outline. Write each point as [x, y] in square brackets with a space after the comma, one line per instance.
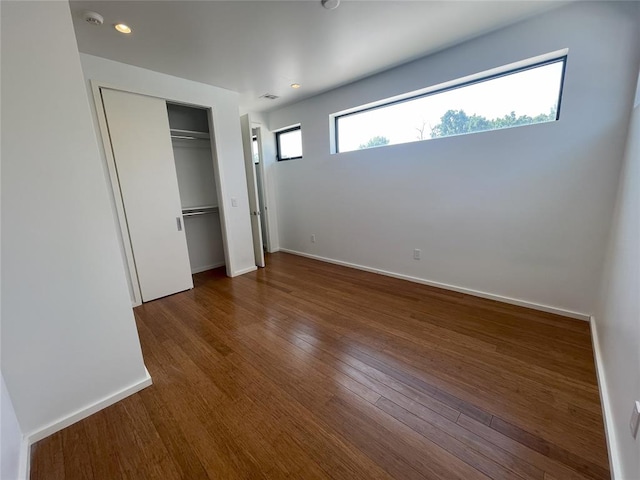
[295, 85]
[122, 28]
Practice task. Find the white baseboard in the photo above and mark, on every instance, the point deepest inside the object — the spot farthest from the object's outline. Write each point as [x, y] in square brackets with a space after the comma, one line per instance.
[468, 291]
[207, 267]
[244, 270]
[64, 422]
[612, 444]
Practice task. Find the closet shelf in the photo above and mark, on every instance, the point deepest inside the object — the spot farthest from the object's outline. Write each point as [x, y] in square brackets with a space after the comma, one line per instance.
[203, 210]
[188, 135]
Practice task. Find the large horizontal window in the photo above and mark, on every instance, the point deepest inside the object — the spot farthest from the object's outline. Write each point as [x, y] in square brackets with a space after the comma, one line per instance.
[289, 143]
[523, 96]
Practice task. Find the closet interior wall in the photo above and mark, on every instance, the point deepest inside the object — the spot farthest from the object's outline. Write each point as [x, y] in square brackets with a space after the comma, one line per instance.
[190, 137]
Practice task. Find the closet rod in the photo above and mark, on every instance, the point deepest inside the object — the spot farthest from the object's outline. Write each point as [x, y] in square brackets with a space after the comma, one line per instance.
[189, 134]
[186, 137]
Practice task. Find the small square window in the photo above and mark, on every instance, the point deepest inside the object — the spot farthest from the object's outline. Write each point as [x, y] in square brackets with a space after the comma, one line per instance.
[255, 151]
[289, 143]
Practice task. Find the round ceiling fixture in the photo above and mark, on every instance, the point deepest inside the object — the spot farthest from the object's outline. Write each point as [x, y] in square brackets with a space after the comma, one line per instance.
[330, 4]
[295, 85]
[122, 28]
[93, 18]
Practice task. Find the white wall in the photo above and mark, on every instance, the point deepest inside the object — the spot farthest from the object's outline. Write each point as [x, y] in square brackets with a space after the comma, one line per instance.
[521, 213]
[69, 338]
[10, 438]
[618, 312]
[236, 221]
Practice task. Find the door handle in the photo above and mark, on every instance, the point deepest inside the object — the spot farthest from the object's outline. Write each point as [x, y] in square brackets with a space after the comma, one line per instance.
[179, 223]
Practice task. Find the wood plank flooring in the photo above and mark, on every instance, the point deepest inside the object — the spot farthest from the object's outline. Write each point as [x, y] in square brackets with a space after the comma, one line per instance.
[309, 370]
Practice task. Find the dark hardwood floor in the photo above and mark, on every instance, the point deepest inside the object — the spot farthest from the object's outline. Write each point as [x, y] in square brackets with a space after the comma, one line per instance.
[309, 370]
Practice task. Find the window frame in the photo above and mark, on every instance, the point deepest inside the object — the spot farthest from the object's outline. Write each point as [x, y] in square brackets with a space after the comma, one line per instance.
[561, 58]
[280, 132]
[254, 141]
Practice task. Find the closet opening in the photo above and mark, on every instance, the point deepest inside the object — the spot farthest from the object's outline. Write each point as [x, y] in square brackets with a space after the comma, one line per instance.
[197, 184]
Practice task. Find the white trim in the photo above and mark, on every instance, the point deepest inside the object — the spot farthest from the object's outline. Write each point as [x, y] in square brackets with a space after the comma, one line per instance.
[264, 219]
[468, 291]
[207, 267]
[24, 471]
[244, 270]
[64, 422]
[607, 413]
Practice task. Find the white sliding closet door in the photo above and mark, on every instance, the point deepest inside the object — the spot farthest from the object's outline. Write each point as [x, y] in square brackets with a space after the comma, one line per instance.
[252, 187]
[141, 144]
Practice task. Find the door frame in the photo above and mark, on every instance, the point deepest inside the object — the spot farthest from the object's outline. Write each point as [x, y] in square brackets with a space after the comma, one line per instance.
[265, 215]
[252, 190]
[125, 239]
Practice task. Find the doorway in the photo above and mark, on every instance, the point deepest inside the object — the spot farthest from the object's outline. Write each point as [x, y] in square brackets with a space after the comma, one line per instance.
[253, 157]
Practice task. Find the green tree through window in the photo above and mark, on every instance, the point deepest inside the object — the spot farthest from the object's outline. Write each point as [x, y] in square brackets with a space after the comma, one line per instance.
[456, 122]
[376, 141]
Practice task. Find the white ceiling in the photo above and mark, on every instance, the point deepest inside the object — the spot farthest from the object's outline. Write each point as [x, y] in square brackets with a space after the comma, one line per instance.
[258, 47]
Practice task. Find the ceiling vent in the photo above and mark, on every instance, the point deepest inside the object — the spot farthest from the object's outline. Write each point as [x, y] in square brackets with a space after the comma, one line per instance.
[270, 96]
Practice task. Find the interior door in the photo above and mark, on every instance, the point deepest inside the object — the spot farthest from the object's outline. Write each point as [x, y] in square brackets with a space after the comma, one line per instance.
[141, 143]
[256, 141]
[252, 187]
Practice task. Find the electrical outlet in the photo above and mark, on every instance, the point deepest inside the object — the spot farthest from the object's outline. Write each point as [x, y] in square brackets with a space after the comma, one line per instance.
[416, 254]
[635, 419]
[313, 238]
